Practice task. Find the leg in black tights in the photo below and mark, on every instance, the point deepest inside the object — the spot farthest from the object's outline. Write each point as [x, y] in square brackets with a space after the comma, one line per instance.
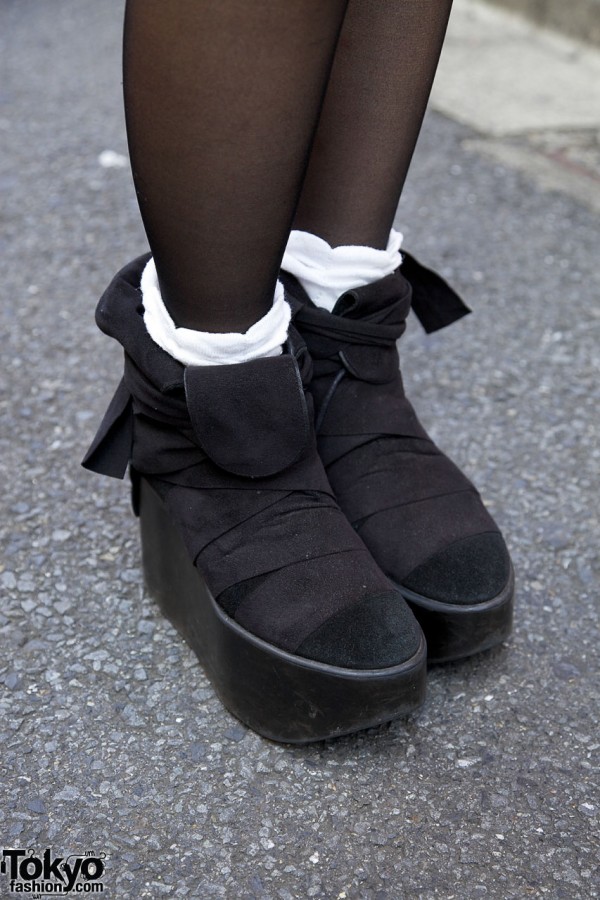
[222, 99]
[384, 67]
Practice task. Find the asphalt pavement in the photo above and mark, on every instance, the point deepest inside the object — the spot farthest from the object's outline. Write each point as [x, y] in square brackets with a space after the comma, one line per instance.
[112, 742]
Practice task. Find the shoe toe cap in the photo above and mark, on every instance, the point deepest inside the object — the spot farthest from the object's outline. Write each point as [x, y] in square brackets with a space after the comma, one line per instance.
[472, 570]
[376, 632]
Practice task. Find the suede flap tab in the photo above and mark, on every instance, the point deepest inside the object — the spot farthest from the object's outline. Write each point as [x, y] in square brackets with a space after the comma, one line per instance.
[110, 451]
[434, 302]
[251, 418]
[376, 365]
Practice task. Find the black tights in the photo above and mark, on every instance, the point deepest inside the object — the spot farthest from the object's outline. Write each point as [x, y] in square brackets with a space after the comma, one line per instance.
[247, 119]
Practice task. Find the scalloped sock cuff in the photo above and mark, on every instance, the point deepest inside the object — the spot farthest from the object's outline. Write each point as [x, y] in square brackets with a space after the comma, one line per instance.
[202, 348]
[327, 272]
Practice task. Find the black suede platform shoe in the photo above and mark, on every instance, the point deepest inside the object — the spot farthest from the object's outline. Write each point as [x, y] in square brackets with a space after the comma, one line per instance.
[420, 517]
[244, 546]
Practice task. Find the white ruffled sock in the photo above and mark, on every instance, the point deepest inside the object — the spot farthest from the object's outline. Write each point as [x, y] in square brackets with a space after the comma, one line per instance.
[204, 348]
[327, 272]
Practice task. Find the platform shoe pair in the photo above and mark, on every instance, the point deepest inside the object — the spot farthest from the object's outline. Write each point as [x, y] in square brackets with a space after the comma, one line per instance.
[299, 527]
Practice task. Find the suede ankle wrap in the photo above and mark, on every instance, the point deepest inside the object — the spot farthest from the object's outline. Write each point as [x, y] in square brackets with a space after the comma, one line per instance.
[405, 498]
[232, 452]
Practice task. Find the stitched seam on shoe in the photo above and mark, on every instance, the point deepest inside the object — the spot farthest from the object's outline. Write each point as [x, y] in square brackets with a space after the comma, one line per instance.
[376, 438]
[447, 547]
[296, 563]
[358, 523]
[258, 513]
[361, 600]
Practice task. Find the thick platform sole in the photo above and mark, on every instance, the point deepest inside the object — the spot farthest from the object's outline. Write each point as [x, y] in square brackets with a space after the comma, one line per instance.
[454, 632]
[279, 695]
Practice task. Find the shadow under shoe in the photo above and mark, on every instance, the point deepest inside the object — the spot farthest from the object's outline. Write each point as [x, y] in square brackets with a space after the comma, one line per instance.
[244, 545]
[421, 518]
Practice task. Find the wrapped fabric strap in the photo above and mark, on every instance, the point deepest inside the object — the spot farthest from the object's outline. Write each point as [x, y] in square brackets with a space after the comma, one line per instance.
[231, 450]
[406, 499]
